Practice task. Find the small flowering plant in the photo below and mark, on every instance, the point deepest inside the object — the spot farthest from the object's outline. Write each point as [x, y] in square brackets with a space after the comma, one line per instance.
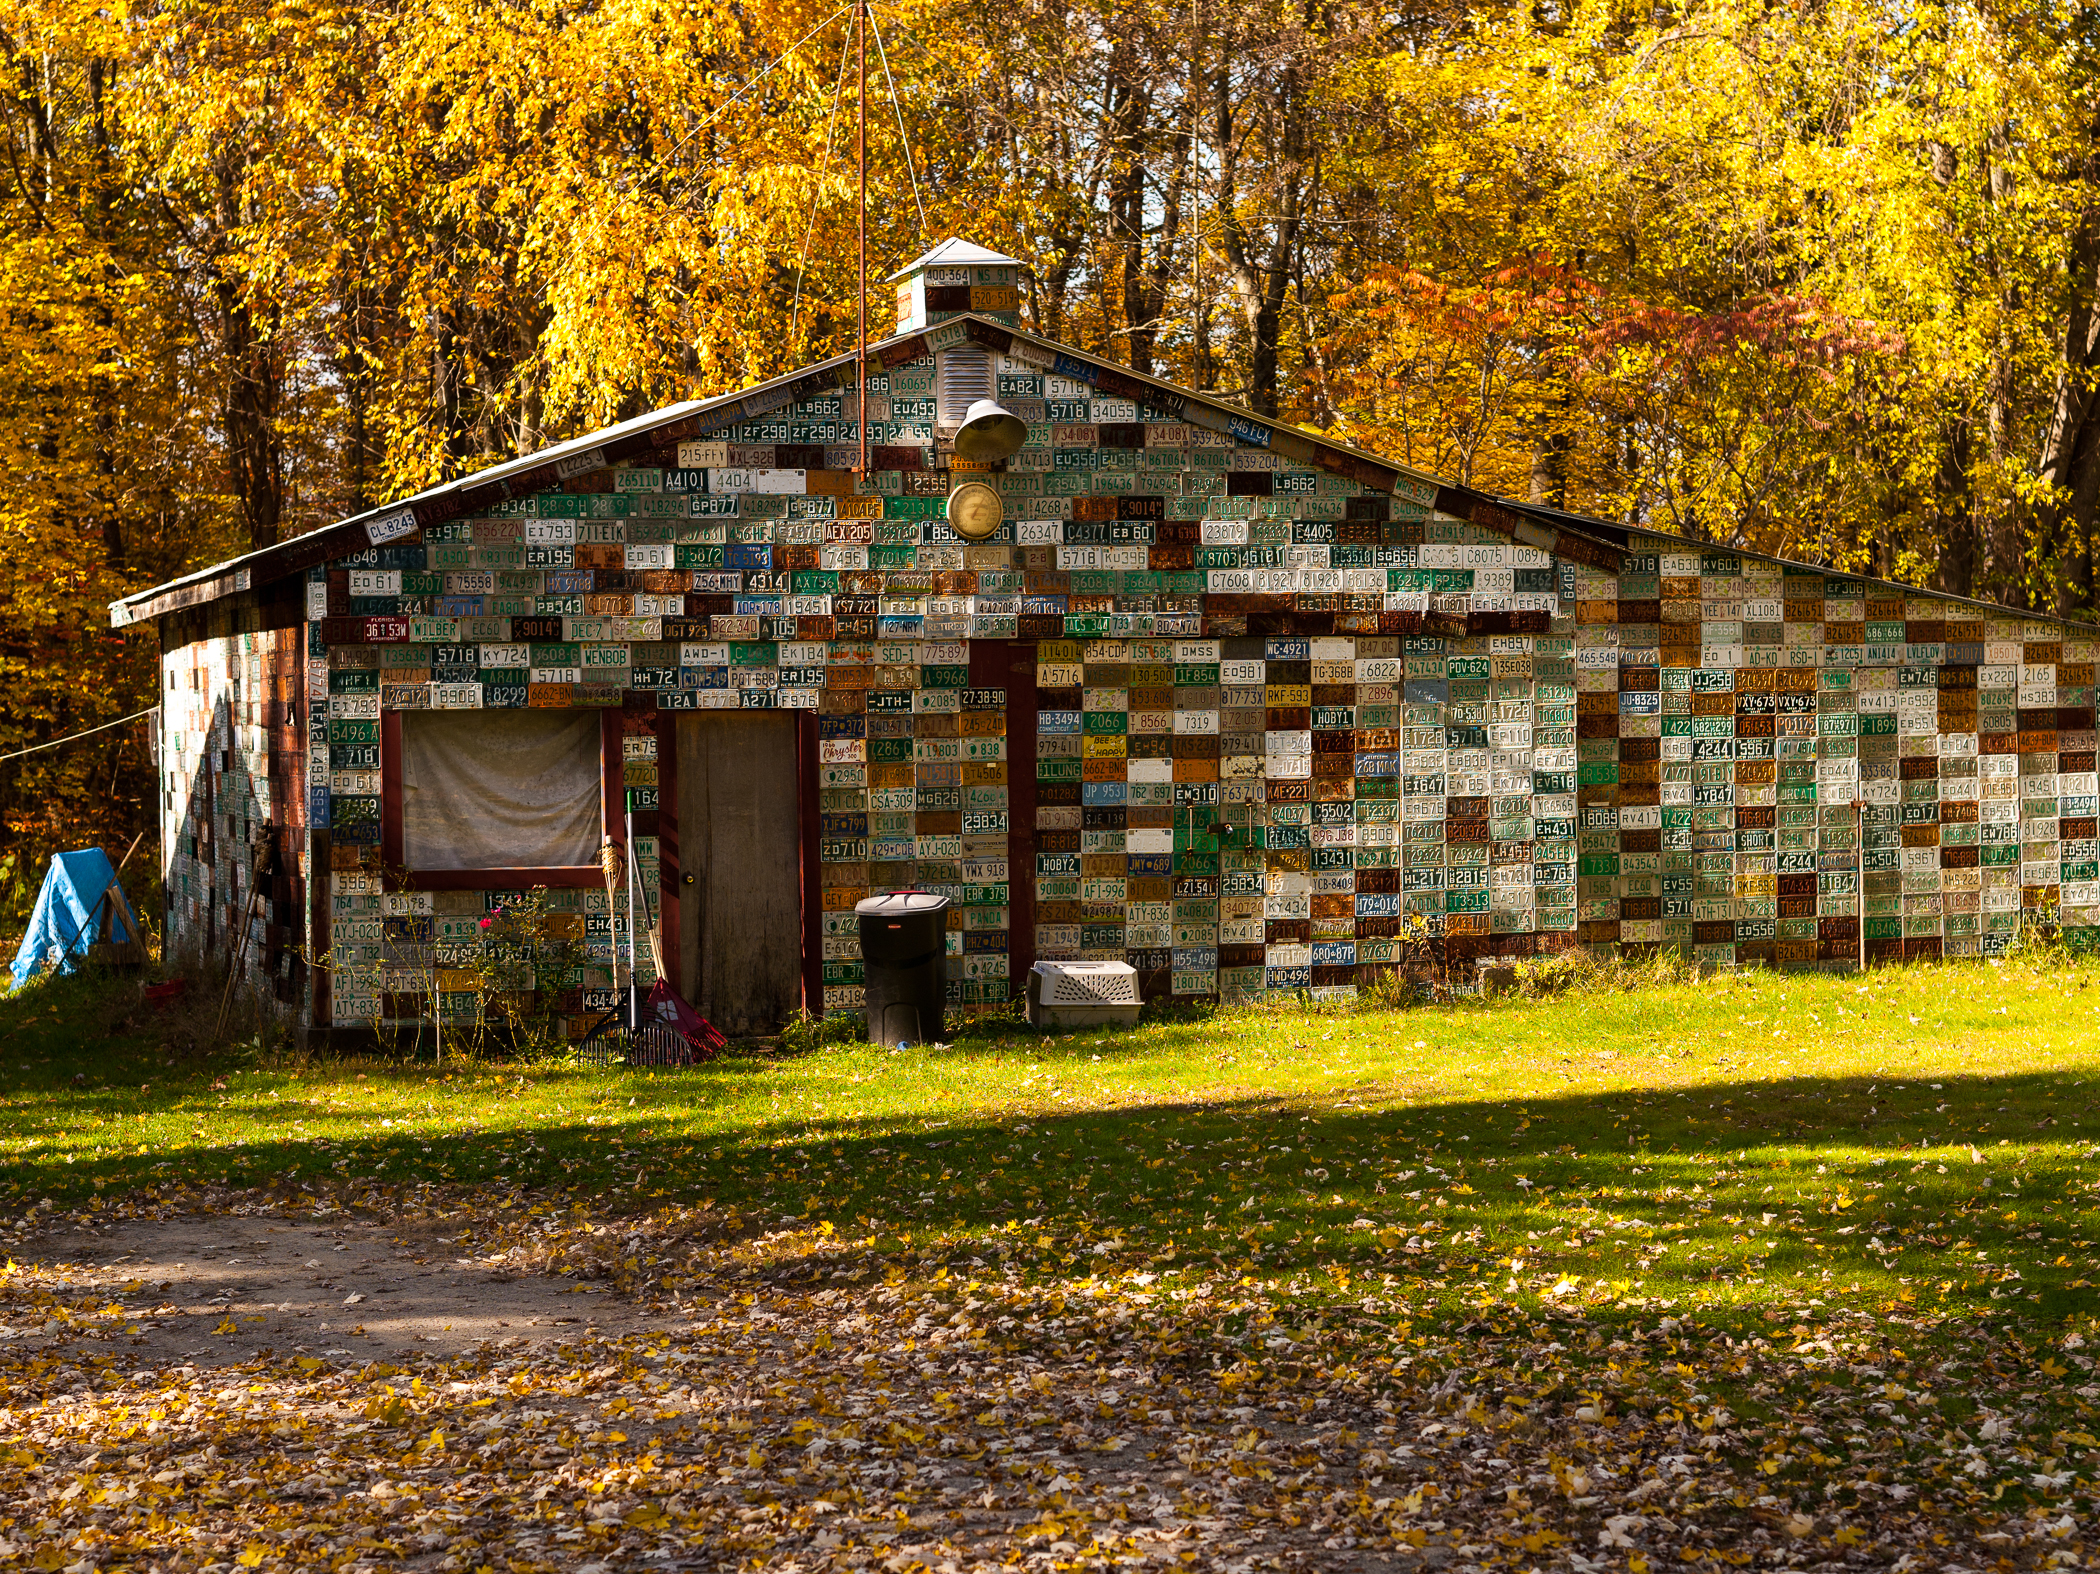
[523, 958]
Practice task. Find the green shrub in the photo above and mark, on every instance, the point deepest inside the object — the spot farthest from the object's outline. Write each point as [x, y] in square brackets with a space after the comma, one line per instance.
[808, 1033]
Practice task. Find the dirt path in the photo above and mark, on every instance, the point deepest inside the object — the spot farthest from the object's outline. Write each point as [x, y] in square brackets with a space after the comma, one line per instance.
[213, 1394]
[216, 1290]
[201, 1392]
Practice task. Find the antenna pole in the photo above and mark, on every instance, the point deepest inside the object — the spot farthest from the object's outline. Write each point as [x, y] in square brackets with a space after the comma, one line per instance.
[860, 19]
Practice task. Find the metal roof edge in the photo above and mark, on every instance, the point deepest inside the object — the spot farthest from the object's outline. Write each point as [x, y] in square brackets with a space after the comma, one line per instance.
[385, 523]
[1585, 537]
[402, 517]
[1598, 543]
[1651, 533]
[1422, 482]
[937, 257]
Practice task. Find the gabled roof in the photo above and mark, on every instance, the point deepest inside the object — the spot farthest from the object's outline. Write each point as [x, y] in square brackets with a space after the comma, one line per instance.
[1590, 524]
[955, 253]
[1578, 537]
[647, 435]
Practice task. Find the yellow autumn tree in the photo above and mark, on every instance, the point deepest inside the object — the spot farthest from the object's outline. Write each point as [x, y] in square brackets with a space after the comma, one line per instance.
[1819, 280]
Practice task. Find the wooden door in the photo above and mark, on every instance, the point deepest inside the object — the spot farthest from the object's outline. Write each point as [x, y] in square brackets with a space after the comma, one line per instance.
[739, 885]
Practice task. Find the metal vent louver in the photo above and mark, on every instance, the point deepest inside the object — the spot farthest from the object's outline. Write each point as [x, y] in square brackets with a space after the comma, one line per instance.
[963, 376]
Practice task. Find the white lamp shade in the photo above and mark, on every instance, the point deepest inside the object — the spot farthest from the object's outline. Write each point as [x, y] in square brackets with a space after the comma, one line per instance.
[990, 431]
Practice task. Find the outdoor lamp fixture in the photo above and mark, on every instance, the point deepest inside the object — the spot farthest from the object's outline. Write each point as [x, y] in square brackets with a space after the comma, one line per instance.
[989, 433]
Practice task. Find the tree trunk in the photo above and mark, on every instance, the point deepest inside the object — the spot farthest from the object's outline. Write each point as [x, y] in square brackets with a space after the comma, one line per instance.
[1146, 283]
[248, 351]
[1998, 529]
[102, 395]
[1260, 275]
[2068, 466]
[1205, 365]
[1961, 544]
[1549, 470]
[451, 371]
[255, 456]
[356, 358]
[1129, 105]
[1256, 285]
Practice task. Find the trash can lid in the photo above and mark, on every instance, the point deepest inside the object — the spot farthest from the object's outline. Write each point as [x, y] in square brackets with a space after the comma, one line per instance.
[896, 904]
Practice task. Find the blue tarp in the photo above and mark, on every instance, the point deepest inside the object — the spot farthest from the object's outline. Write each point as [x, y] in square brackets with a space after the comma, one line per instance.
[80, 904]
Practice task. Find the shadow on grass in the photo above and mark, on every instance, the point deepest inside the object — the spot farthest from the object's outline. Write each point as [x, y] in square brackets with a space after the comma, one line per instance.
[1759, 1190]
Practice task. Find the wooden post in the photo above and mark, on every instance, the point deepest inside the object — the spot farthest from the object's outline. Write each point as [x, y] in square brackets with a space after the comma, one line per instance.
[809, 820]
[1859, 832]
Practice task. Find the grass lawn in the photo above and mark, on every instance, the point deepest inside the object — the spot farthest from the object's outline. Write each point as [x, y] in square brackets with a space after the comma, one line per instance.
[1750, 1144]
[1787, 1271]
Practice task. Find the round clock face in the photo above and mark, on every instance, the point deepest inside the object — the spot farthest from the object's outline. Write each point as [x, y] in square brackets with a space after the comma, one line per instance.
[974, 510]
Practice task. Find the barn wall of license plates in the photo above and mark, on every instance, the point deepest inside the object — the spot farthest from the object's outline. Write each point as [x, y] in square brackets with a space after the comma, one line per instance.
[233, 767]
[1251, 713]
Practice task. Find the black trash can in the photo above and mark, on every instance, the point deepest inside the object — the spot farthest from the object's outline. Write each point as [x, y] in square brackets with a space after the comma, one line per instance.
[904, 965]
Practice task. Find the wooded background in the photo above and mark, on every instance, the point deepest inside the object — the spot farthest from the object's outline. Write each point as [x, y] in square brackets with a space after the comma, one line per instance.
[1815, 279]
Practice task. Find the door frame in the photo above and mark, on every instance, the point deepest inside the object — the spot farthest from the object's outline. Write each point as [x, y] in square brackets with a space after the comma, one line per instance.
[670, 865]
[669, 887]
[811, 864]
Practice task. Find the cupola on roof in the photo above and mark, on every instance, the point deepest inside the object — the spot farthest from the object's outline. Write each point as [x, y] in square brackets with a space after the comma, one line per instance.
[955, 252]
[955, 277]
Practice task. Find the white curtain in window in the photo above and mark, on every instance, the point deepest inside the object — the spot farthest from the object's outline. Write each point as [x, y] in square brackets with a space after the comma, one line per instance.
[500, 789]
